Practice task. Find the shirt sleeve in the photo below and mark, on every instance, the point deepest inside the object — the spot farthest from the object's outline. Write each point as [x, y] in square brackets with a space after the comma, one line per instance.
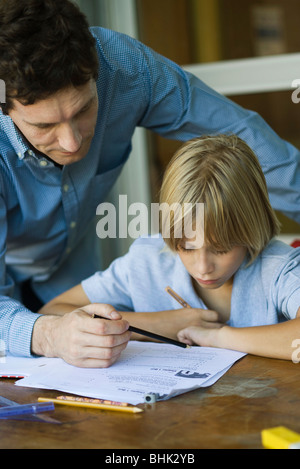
[286, 290]
[182, 107]
[16, 321]
[113, 285]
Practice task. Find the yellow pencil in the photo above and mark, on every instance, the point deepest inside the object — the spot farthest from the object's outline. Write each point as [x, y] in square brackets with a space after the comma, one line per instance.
[89, 404]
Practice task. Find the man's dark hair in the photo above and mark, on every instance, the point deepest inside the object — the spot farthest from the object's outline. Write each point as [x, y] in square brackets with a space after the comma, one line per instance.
[45, 46]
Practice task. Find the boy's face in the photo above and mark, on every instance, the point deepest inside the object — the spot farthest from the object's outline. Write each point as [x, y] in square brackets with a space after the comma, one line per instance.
[61, 126]
[211, 269]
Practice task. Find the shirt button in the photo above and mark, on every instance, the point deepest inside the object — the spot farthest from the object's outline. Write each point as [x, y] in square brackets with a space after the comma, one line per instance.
[19, 155]
[43, 163]
[73, 224]
[66, 188]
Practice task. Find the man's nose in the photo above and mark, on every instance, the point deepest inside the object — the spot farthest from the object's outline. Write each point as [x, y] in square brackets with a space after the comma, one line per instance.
[70, 138]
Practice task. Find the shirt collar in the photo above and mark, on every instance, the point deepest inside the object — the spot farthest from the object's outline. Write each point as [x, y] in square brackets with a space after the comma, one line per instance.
[16, 139]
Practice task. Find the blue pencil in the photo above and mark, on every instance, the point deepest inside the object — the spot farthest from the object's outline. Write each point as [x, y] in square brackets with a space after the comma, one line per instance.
[35, 408]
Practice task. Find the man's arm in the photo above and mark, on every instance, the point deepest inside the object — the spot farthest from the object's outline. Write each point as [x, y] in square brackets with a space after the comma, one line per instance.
[16, 321]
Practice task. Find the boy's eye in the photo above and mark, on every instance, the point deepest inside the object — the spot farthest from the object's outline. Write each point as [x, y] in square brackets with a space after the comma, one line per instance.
[182, 248]
[218, 252]
[186, 249]
[213, 251]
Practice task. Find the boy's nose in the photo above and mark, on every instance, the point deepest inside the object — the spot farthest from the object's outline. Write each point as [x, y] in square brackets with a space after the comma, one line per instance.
[205, 266]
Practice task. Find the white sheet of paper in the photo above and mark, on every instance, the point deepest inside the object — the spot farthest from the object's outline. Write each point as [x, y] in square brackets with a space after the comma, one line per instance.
[20, 366]
[144, 367]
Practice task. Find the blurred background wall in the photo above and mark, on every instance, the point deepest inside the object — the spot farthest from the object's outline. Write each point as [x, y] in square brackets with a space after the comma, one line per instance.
[203, 31]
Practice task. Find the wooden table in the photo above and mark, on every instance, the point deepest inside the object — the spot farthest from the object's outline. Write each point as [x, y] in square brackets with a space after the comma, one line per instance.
[256, 393]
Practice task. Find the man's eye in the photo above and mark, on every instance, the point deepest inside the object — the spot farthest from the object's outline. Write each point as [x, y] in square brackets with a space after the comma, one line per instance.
[44, 126]
[84, 110]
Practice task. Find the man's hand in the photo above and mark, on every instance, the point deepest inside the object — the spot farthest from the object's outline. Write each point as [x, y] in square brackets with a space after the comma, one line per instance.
[80, 339]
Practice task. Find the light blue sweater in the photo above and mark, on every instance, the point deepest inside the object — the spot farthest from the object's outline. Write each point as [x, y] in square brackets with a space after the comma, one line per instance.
[266, 292]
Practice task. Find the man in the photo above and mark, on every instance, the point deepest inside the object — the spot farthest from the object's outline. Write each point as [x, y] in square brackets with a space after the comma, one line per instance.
[74, 97]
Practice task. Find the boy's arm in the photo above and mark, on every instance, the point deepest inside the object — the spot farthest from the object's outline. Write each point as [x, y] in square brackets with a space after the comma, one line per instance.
[273, 341]
[167, 323]
[66, 302]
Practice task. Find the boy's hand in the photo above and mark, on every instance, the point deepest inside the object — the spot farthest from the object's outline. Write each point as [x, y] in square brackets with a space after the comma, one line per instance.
[199, 336]
[185, 317]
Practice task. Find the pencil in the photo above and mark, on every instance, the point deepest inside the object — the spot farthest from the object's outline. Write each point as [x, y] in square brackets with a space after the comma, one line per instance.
[157, 337]
[151, 335]
[88, 403]
[178, 298]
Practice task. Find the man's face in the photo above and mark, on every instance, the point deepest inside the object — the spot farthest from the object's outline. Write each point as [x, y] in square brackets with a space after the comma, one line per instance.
[62, 126]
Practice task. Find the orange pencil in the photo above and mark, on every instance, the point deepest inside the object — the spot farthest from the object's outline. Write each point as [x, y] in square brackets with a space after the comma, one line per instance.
[178, 298]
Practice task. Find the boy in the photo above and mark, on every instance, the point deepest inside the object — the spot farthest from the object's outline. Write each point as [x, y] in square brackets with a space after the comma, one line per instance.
[243, 285]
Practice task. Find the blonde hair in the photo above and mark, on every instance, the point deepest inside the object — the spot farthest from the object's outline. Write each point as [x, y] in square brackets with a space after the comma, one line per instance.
[224, 174]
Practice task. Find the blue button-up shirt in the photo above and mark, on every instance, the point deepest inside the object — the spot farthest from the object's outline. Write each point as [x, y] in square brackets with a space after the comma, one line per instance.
[47, 214]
